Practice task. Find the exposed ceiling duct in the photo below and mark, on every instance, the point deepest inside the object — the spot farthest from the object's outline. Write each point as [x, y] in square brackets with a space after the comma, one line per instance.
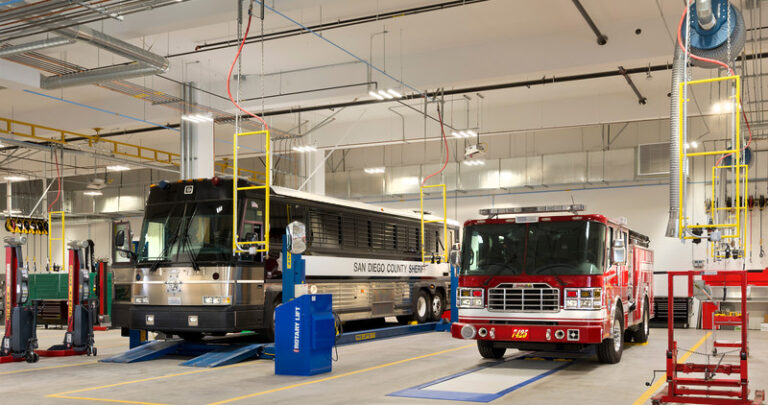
[35, 46]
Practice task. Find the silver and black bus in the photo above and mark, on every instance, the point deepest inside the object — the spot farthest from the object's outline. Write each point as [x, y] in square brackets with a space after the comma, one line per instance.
[185, 280]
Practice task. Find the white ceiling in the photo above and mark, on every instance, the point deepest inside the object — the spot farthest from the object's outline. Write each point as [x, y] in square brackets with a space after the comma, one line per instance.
[496, 41]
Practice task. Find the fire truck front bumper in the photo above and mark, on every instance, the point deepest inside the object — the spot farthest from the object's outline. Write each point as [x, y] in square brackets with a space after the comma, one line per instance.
[576, 333]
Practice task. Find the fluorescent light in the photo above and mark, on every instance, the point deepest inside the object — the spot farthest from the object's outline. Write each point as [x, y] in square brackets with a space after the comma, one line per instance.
[93, 193]
[474, 162]
[305, 148]
[374, 170]
[375, 95]
[394, 93]
[13, 212]
[471, 133]
[456, 134]
[197, 118]
[385, 95]
[694, 144]
[117, 168]
[15, 178]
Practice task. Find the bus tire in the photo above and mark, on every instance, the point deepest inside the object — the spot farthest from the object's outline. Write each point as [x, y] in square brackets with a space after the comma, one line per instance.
[421, 309]
[644, 329]
[486, 349]
[610, 350]
[437, 305]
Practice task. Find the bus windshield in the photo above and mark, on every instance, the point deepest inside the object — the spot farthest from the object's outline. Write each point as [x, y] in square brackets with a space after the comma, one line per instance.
[540, 248]
[187, 232]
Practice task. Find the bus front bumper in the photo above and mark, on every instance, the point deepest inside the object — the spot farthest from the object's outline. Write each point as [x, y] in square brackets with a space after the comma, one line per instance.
[204, 319]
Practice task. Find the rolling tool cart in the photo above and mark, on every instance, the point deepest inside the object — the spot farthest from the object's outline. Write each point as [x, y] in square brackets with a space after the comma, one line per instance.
[78, 339]
[710, 389]
[20, 340]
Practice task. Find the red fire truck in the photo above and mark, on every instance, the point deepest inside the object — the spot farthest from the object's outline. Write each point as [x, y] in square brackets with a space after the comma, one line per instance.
[555, 282]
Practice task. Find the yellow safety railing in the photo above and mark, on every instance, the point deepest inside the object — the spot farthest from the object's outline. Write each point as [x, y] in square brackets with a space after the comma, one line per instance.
[51, 239]
[740, 206]
[236, 246]
[444, 220]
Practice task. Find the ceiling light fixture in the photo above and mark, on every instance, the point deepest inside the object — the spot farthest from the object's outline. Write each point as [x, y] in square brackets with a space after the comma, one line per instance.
[197, 118]
[374, 170]
[305, 148]
[375, 95]
[15, 178]
[474, 162]
[394, 93]
[386, 95]
[117, 168]
[93, 193]
[694, 144]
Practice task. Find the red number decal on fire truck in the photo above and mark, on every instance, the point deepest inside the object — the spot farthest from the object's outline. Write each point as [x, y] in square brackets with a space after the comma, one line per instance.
[519, 333]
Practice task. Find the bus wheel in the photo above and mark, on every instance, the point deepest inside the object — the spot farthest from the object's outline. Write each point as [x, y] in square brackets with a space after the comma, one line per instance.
[438, 306]
[609, 351]
[421, 308]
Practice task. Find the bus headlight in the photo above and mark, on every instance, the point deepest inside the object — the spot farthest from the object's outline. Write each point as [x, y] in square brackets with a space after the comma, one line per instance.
[583, 298]
[470, 297]
[141, 299]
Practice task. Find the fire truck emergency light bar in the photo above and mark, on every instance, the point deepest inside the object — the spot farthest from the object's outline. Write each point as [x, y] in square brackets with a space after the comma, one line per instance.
[574, 208]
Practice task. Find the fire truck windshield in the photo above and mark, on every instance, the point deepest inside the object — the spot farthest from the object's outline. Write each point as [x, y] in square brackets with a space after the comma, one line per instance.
[542, 248]
[191, 232]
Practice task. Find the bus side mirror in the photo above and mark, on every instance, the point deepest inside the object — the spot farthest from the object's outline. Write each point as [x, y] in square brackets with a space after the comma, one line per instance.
[455, 255]
[619, 252]
[297, 237]
[120, 239]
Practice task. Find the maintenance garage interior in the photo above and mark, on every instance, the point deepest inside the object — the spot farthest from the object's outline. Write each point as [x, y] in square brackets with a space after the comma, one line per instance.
[402, 201]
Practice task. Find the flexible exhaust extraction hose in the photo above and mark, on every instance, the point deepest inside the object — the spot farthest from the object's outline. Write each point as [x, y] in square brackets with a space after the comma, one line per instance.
[705, 58]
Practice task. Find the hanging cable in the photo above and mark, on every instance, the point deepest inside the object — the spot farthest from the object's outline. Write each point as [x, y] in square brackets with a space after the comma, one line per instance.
[58, 177]
[231, 68]
[719, 63]
[447, 153]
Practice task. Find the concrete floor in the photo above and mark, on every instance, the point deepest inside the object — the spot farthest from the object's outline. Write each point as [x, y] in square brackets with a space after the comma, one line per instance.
[365, 373]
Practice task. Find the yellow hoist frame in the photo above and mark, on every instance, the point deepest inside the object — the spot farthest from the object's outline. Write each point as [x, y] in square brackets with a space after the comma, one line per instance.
[740, 171]
[236, 246]
[51, 239]
[444, 220]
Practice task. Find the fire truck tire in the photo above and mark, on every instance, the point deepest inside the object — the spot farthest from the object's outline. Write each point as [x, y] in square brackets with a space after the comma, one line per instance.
[438, 305]
[610, 350]
[487, 350]
[644, 329]
[422, 311]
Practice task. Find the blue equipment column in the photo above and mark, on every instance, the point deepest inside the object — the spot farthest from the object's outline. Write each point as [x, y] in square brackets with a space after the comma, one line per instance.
[304, 335]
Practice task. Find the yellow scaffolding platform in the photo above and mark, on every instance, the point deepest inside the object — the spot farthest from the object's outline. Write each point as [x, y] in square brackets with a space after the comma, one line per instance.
[236, 245]
[444, 220]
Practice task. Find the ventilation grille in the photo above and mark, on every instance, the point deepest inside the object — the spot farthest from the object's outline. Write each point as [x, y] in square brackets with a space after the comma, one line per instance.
[653, 159]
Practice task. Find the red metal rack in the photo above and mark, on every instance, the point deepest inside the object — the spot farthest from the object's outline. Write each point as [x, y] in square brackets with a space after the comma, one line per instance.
[710, 389]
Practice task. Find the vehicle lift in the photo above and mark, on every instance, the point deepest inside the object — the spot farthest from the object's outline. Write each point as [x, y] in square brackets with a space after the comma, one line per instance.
[78, 339]
[679, 389]
[20, 340]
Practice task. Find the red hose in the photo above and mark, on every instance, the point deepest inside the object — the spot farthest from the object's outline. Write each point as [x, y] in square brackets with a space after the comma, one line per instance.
[229, 75]
[717, 62]
[447, 155]
[58, 177]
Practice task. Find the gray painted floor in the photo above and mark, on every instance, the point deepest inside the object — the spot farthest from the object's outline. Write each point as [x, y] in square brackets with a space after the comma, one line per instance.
[365, 373]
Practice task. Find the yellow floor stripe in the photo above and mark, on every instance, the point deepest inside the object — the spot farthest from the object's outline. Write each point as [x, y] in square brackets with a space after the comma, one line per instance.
[65, 394]
[657, 385]
[226, 401]
[27, 370]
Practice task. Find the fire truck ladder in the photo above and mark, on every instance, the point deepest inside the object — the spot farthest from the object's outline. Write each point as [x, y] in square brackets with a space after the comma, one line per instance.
[444, 220]
[262, 245]
[51, 239]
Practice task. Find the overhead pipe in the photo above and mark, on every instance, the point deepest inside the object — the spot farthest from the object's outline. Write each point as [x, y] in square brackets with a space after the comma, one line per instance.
[35, 46]
[602, 39]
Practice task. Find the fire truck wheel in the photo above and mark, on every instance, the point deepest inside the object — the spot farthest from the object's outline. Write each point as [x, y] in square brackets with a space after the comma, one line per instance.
[421, 308]
[438, 306]
[487, 350]
[610, 350]
[644, 329]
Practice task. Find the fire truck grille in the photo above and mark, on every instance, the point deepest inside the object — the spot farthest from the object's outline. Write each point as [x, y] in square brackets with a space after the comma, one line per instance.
[535, 298]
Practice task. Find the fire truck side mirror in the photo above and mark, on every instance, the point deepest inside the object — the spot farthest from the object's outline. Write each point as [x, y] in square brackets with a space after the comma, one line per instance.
[619, 252]
[120, 238]
[455, 255]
